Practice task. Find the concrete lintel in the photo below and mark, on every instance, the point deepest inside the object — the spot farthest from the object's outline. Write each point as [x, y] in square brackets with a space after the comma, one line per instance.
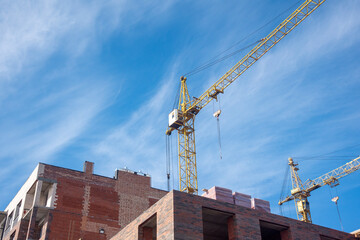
[47, 180]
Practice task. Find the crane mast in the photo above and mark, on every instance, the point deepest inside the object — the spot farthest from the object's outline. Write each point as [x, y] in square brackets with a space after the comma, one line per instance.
[182, 119]
[301, 191]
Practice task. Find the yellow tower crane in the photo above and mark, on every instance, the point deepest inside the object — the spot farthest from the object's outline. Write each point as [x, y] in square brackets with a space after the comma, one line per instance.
[182, 119]
[301, 191]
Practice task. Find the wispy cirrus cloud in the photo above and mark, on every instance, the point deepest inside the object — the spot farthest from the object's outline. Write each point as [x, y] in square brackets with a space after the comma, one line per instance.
[32, 32]
[47, 100]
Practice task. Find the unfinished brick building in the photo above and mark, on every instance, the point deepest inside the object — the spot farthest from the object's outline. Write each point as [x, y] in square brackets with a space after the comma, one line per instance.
[58, 203]
[182, 216]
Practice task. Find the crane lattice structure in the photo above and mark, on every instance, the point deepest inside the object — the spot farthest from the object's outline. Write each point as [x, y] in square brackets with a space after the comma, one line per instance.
[301, 191]
[183, 118]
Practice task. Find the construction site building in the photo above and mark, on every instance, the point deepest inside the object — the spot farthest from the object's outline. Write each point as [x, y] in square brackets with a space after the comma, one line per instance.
[62, 204]
[59, 203]
[183, 216]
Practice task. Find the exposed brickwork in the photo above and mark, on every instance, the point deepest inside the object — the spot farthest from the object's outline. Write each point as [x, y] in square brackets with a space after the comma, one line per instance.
[84, 203]
[179, 216]
[32, 229]
[187, 218]
[164, 214]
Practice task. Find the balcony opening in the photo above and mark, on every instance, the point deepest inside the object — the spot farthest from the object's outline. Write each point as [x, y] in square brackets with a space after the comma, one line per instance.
[217, 225]
[17, 211]
[272, 231]
[147, 230]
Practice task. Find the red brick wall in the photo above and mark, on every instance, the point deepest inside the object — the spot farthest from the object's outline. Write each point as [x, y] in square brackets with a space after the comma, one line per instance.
[165, 223]
[179, 216]
[20, 229]
[86, 203]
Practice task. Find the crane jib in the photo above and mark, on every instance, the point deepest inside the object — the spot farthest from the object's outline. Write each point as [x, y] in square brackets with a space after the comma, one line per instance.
[257, 52]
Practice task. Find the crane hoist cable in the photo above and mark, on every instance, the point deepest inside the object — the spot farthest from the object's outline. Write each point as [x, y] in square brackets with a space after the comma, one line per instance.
[172, 163]
[169, 162]
[335, 200]
[167, 137]
[284, 187]
[216, 114]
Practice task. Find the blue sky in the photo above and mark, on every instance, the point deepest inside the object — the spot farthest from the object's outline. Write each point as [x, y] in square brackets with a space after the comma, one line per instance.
[95, 81]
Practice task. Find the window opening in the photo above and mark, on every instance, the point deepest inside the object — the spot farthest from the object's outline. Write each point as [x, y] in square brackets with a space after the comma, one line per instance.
[9, 221]
[17, 211]
[147, 230]
[273, 231]
[216, 224]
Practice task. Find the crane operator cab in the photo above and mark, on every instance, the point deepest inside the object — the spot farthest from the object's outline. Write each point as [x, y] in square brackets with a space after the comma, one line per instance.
[176, 119]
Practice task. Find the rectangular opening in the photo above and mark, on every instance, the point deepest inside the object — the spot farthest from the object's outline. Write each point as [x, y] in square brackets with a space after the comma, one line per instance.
[147, 230]
[17, 211]
[216, 224]
[273, 231]
[46, 194]
[9, 221]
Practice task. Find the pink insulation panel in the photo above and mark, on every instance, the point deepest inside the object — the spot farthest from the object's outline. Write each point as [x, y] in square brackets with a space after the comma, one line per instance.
[220, 194]
[260, 204]
[242, 199]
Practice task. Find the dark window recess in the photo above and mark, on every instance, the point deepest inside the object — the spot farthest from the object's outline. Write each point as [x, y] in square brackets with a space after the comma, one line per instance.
[17, 210]
[322, 237]
[12, 237]
[272, 231]
[9, 220]
[217, 224]
[147, 230]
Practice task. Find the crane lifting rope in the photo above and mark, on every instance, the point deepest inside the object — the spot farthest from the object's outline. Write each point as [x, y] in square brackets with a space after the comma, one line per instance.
[182, 119]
